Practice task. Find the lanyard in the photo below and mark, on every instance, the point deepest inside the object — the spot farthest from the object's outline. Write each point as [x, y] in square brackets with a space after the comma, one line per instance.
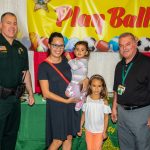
[124, 75]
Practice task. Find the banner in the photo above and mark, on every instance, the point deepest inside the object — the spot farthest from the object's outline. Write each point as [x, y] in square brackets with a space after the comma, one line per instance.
[98, 22]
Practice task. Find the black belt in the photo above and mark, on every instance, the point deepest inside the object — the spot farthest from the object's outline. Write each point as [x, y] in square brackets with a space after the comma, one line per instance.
[132, 107]
[5, 92]
[10, 90]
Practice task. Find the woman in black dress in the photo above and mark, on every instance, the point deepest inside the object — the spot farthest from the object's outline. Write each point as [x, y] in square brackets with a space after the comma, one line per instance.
[62, 121]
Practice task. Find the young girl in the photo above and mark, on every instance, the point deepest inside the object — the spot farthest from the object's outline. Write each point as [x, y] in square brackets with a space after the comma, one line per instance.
[95, 113]
[79, 67]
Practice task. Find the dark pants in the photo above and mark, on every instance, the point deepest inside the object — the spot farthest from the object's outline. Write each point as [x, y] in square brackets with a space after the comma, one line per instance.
[9, 122]
[133, 132]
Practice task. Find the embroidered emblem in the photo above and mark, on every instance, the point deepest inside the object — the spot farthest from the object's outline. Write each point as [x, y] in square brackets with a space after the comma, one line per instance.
[41, 4]
[20, 50]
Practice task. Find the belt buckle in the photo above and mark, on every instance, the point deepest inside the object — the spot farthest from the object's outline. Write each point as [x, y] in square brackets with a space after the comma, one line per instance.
[129, 107]
[132, 107]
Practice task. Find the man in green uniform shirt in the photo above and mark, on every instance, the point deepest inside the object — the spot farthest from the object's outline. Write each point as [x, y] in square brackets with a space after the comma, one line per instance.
[13, 67]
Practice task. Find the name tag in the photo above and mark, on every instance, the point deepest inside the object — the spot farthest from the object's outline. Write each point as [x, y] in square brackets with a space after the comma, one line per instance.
[3, 49]
[121, 89]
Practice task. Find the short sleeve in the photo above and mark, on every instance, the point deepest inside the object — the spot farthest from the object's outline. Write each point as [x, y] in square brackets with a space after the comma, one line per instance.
[25, 60]
[107, 109]
[83, 107]
[23, 55]
[115, 80]
[42, 72]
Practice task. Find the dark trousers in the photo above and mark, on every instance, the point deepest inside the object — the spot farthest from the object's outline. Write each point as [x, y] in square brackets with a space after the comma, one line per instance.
[9, 122]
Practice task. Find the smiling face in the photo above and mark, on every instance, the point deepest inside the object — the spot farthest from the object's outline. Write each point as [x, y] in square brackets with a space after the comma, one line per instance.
[96, 87]
[80, 51]
[56, 47]
[9, 27]
[128, 48]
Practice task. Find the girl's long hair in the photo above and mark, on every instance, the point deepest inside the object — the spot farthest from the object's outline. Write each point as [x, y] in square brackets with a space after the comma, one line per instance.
[104, 92]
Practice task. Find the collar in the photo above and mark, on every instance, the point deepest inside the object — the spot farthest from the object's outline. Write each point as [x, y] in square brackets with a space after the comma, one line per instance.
[76, 58]
[3, 40]
[133, 59]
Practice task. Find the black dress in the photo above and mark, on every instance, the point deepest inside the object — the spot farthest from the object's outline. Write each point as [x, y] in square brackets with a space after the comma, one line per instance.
[61, 119]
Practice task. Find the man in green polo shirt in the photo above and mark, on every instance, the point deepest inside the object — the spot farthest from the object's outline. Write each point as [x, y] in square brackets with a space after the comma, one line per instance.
[13, 68]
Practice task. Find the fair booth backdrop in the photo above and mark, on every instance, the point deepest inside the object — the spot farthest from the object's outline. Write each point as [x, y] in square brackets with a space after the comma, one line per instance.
[97, 22]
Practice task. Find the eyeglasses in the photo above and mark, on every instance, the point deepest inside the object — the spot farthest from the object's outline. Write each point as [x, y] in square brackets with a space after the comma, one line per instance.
[58, 46]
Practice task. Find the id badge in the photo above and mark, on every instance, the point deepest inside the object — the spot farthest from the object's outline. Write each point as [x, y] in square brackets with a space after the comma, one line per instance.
[121, 89]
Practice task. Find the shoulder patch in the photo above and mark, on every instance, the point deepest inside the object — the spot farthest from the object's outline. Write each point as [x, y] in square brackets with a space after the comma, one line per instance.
[20, 50]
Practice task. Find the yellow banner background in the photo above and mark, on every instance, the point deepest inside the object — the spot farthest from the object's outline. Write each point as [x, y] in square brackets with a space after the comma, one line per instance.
[99, 19]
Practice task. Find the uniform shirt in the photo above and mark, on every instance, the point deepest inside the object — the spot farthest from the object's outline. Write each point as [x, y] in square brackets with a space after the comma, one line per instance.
[137, 82]
[94, 114]
[13, 60]
[79, 67]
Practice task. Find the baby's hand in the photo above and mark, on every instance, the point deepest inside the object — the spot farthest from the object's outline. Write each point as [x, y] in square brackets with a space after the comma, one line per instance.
[68, 55]
[84, 84]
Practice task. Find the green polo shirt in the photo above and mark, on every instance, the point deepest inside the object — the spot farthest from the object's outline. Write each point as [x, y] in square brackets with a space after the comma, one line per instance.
[13, 60]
